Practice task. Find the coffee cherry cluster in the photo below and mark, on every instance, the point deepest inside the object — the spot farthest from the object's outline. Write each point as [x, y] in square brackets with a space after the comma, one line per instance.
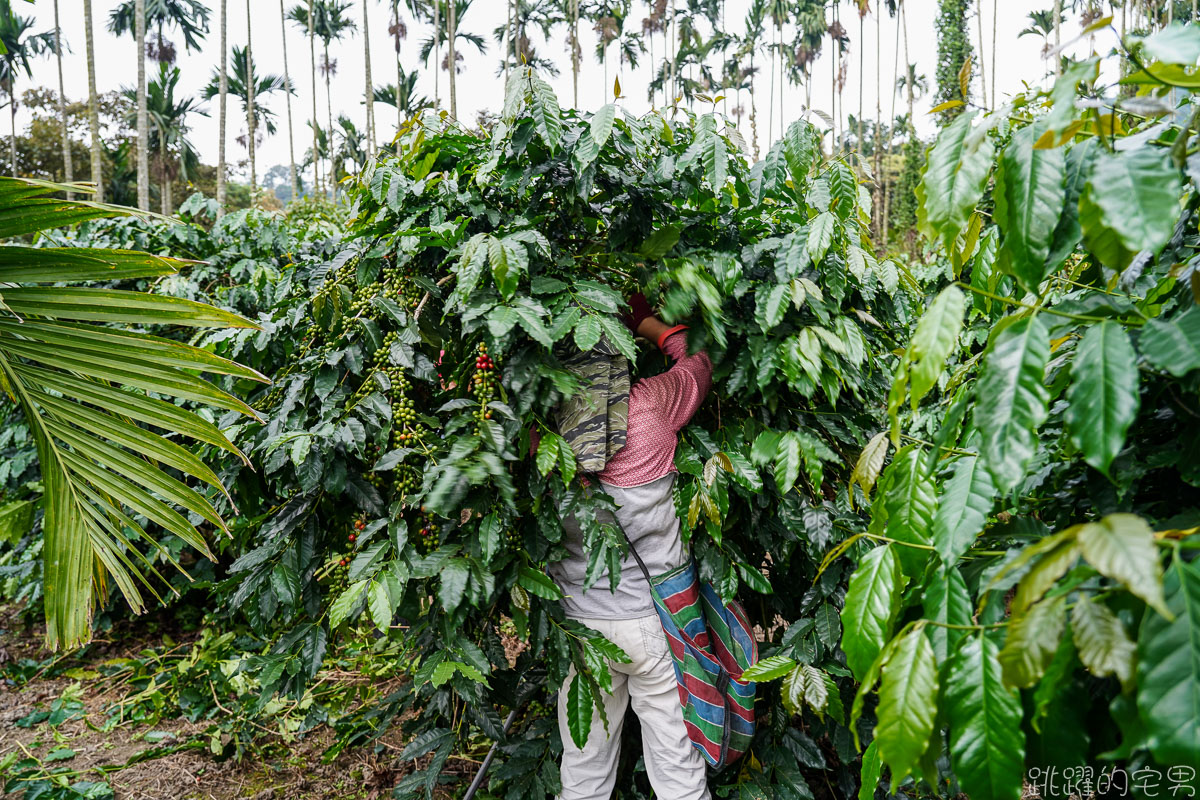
[338, 574]
[361, 304]
[483, 362]
[427, 535]
[407, 429]
[513, 539]
[483, 384]
[399, 285]
[377, 479]
[407, 480]
[405, 432]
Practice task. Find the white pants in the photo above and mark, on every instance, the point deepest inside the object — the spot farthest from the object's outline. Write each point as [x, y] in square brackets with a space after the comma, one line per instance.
[676, 769]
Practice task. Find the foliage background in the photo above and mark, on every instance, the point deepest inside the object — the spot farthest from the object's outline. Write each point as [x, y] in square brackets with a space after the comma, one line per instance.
[973, 462]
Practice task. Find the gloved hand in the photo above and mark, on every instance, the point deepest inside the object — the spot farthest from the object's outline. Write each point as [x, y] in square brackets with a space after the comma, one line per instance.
[639, 310]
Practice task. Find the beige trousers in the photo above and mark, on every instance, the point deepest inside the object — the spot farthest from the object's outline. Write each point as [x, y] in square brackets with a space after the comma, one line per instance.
[676, 769]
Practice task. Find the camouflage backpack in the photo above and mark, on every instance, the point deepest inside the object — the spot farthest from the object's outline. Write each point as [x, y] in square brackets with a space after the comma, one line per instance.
[594, 421]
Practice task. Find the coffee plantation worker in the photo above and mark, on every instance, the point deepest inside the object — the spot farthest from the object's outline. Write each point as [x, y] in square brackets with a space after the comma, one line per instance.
[638, 453]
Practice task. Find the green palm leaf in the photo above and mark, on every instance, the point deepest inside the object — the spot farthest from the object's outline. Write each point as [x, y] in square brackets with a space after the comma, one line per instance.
[70, 360]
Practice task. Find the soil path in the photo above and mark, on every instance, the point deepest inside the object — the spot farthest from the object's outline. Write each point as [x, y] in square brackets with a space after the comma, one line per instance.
[60, 720]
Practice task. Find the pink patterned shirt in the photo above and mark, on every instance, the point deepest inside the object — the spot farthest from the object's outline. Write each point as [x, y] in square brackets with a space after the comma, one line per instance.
[659, 407]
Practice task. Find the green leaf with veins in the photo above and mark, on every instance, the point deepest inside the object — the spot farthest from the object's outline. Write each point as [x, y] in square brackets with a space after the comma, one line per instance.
[1103, 396]
[1011, 399]
[1137, 193]
[966, 500]
[1168, 673]
[907, 708]
[1029, 200]
[869, 612]
[934, 341]
[1173, 345]
[1032, 641]
[954, 177]
[987, 745]
[1121, 547]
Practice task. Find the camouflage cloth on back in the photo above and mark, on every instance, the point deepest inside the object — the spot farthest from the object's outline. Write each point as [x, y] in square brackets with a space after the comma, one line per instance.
[594, 421]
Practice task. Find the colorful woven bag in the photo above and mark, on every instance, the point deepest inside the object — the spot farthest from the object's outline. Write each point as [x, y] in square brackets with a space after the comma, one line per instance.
[712, 644]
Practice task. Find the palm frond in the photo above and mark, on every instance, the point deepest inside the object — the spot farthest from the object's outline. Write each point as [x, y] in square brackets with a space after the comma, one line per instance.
[89, 384]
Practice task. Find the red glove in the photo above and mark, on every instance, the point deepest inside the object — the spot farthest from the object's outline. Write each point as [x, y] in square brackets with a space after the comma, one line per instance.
[639, 309]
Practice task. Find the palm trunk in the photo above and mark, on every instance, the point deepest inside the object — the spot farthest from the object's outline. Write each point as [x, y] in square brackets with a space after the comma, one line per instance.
[399, 68]
[250, 127]
[887, 192]
[312, 60]
[832, 93]
[93, 104]
[674, 39]
[753, 110]
[506, 40]
[437, 52]
[293, 176]
[370, 83]
[861, 55]
[604, 85]
[725, 102]
[782, 78]
[995, 14]
[68, 164]
[12, 122]
[329, 117]
[143, 117]
[451, 33]
[887, 197]
[650, 39]
[982, 71]
[909, 72]
[771, 99]
[1057, 36]
[837, 73]
[880, 220]
[222, 102]
[575, 52]
[164, 186]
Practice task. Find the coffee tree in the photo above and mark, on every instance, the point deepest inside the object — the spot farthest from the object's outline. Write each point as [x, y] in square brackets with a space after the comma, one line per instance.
[1026, 598]
[956, 494]
[399, 487]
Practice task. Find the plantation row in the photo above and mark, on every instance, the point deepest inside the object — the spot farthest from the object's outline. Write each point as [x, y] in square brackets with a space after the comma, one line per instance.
[954, 492]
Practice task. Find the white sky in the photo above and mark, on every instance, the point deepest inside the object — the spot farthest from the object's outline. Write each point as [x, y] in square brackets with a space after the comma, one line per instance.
[479, 87]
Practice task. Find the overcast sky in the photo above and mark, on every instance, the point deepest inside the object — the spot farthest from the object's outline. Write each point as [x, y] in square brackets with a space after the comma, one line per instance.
[1019, 60]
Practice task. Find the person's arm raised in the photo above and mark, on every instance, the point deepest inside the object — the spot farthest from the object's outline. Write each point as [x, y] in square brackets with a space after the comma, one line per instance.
[680, 390]
[653, 328]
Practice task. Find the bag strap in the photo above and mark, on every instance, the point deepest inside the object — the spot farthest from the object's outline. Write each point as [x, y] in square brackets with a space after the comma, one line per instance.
[636, 557]
[617, 521]
[633, 551]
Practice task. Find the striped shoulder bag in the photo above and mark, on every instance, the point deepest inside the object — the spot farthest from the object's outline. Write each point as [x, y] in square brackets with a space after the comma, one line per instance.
[712, 644]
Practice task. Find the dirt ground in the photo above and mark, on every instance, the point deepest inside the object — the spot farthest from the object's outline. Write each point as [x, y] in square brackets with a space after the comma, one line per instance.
[170, 759]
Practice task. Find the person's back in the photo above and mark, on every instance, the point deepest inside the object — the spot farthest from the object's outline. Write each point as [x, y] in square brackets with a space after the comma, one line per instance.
[640, 478]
